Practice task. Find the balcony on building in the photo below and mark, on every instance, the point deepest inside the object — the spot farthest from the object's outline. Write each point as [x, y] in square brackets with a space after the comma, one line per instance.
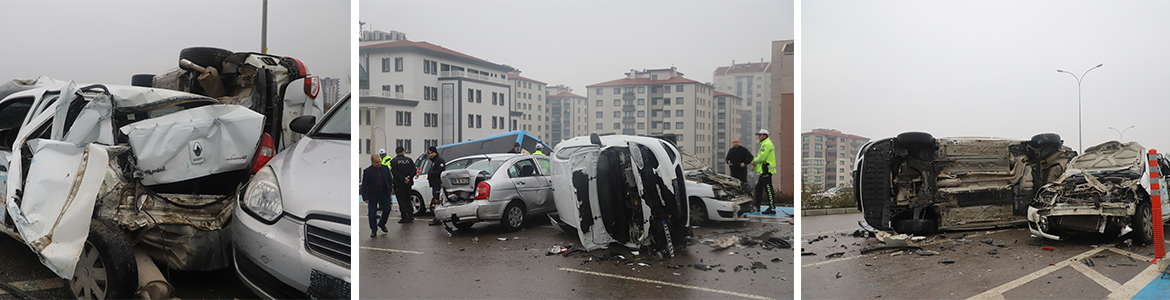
[469, 75]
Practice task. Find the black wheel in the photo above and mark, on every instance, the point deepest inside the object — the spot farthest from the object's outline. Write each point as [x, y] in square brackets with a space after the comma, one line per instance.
[916, 226]
[698, 212]
[513, 216]
[1143, 223]
[107, 268]
[416, 202]
[145, 80]
[1047, 139]
[464, 225]
[914, 140]
[205, 56]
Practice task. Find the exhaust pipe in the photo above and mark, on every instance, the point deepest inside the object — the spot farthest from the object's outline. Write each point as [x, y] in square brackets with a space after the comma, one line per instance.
[151, 283]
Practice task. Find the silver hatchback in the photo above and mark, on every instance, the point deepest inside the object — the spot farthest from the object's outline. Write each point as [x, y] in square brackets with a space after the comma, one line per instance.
[504, 187]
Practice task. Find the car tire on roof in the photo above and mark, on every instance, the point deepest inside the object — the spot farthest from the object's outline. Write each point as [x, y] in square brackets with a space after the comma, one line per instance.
[205, 56]
[1044, 139]
[513, 217]
[143, 80]
[107, 268]
[914, 140]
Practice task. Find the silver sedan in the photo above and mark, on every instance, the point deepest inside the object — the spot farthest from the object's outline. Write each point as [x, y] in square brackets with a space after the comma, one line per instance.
[504, 187]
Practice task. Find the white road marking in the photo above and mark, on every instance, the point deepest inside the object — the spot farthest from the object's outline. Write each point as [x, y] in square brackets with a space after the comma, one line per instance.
[1119, 291]
[667, 283]
[36, 285]
[391, 250]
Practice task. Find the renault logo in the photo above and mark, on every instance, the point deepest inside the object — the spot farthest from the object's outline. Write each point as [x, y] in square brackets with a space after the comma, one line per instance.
[197, 149]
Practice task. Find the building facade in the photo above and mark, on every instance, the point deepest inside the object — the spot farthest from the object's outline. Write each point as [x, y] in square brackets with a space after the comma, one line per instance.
[568, 115]
[654, 102]
[529, 111]
[418, 94]
[827, 157]
[728, 112]
[752, 83]
[330, 91]
[783, 112]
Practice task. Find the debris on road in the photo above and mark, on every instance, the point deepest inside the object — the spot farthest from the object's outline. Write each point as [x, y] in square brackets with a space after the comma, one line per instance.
[1088, 262]
[1048, 248]
[833, 255]
[758, 265]
[922, 252]
[557, 250]
[948, 261]
[807, 254]
[502, 239]
[882, 248]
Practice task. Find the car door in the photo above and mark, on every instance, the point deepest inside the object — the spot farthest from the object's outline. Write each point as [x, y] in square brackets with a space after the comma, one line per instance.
[543, 201]
[525, 177]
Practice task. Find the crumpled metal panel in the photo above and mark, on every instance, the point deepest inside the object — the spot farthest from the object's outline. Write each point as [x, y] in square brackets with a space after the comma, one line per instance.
[16, 85]
[195, 142]
[63, 182]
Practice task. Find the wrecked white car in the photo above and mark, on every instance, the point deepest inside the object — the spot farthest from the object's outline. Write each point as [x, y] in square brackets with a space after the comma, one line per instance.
[291, 232]
[1105, 191]
[713, 196]
[915, 183]
[100, 179]
[622, 189]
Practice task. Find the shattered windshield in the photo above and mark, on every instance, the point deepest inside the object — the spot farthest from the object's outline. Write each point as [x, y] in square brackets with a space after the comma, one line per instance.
[336, 124]
[490, 166]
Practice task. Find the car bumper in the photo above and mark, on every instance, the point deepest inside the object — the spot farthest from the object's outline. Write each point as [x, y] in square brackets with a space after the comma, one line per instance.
[1040, 225]
[720, 210]
[478, 210]
[282, 261]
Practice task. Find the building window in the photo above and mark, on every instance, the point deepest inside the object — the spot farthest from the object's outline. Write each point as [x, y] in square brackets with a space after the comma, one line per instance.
[666, 125]
[665, 101]
[600, 103]
[385, 64]
[470, 95]
[617, 125]
[678, 88]
[493, 122]
[398, 118]
[368, 116]
[599, 115]
[478, 121]
[678, 125]
[641, 125]
[494, 98]
[666, 114]
[641, 90]
[478, 96]
[617, 90]
[819, 138]
[678, 113]
[598, 126]
[599, 91]
[641, 113]
[397, 64]
[654, 77]
[678, 100]
[617, 114]
[367, 146]
[617, 102]
[470, 121]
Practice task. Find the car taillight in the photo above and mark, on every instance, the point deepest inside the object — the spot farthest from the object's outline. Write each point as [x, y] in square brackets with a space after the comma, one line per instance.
[264, 153]
[312, 87]
[483, 190]
[301, 69]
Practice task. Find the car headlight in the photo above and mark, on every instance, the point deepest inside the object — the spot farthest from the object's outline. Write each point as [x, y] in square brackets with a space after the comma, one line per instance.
[262, 197]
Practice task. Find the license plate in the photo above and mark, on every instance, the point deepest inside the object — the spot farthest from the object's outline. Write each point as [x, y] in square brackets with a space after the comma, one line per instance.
[460, 181]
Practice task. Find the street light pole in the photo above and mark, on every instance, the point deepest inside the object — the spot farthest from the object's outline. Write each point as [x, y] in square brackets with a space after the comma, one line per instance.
[1080, 132]
[383, 136]
[1121, 133]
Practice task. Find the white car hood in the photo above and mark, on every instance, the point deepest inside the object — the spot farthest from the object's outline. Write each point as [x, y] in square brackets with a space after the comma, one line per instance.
[314, 177]
[195, 142]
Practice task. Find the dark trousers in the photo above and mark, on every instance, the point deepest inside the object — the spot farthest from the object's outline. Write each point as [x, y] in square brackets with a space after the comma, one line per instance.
[740, 173]
[764, 191]
[405, 205]
[374, 203]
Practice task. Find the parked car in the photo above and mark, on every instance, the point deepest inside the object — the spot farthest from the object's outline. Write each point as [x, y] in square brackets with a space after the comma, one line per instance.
[915, 183]
[292, 228]
[622, 189]
[464, 153]
[87, 167]
[1105, 191]
[713, 196]
[505, 187]
[833, 192]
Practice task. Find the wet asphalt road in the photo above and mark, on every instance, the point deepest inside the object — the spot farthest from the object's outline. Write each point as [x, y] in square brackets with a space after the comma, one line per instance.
[20, 267]
[419, 261]
[1020, 269]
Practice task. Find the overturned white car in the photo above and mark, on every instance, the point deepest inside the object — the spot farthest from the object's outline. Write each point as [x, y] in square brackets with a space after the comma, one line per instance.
[1105, 191]
[99, 174]
[622, 189]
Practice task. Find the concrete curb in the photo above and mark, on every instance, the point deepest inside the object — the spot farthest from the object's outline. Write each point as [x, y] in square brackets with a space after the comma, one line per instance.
[827, 211]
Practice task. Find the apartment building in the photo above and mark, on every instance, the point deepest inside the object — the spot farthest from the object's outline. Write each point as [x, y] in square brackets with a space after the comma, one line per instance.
[783, 112]
[751, 82]
[827, 157]
[568, 117]
[653, 102]
[530, 111]
[728, 109]
[417, 94]
[330, 91]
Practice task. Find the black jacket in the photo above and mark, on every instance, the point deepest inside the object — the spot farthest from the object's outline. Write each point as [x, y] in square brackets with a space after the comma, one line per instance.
[738, 155]
[371, 186]
[404, 171]
[438, 165]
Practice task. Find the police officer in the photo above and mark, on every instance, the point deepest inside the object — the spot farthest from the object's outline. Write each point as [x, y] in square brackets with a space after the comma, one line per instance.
[539, 147]
[385, 158]
[404, 171]
[765, 164]
[438, 165]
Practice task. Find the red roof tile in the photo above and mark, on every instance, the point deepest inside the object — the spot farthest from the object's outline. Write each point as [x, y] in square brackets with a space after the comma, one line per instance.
[516, 76]
[756, 67]
[425, 45]
[642, 81]
[565, 94]
[718, 93]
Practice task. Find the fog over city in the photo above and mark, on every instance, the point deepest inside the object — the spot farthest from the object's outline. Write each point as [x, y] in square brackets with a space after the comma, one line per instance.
[108, 41]
[579, 43]
[979, 68]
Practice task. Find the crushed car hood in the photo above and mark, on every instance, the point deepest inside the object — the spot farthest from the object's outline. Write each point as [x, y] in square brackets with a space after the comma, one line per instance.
[1110, 156]
[314, 177]
[195, 142]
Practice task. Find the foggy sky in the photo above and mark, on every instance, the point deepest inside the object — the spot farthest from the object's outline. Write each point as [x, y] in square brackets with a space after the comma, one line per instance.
[578, 43]
[966, 68]
[108, 41]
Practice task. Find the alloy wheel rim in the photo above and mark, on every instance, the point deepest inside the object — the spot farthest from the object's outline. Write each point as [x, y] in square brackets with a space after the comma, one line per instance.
[89, 276]
[515, 217]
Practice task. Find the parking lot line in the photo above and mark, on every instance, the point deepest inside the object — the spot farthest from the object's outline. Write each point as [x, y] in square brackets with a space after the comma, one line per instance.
[997, 292]
[667, 283]
[36, 285]
[391, 250]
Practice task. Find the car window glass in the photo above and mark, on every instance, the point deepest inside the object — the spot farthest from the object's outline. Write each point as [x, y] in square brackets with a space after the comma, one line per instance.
[489, 166]
[543, 165]
[459, 164]
[522, 168]
[12, 112]
[337, 124]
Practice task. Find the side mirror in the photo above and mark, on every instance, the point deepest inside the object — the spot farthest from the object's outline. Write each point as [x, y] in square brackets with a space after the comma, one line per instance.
[302, 124]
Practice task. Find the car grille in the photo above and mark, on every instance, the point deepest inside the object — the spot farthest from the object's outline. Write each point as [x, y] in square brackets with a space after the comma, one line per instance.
[328, 244]
[257, 276]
